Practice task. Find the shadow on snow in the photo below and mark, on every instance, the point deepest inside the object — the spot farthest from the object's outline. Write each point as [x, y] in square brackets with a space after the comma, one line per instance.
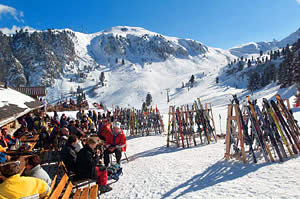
[161, 150]
[219, 172]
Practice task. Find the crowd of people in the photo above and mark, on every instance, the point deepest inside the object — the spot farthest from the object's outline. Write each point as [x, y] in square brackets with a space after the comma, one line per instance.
[84, 145]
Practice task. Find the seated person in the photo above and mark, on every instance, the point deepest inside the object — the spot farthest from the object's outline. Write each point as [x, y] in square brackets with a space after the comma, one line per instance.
[3, 143]
[29, 121]
[64, 134]
[86, 164]
[6, 139]
[22, 121]
[68, 154]
[72, 129]
[4, 157]
[65, 105]
[104, 129]
[115, 143]
[33, 169]
[16, 186]
[20, 132]
[87, 160]
[81, 142]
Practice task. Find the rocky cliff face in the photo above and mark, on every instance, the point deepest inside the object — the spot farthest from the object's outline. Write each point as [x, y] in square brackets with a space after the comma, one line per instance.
[138, 45]
[35, 58]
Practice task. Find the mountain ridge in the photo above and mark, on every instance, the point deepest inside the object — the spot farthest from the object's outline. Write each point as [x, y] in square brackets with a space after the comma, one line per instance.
[255, 47]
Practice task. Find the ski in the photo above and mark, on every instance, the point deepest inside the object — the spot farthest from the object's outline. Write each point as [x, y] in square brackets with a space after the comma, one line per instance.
[179, 126]
[266, 127]
[286, 129]
[274, 120]
[245, 129]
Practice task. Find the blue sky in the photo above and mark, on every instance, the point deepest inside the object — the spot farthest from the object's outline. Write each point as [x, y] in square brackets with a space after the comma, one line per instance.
[217, 23]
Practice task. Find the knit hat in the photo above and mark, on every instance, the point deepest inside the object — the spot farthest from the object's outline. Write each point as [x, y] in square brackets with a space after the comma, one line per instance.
[117, 124]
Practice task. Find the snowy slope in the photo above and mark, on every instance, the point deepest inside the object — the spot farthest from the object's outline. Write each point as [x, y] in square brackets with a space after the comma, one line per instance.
[152, 63]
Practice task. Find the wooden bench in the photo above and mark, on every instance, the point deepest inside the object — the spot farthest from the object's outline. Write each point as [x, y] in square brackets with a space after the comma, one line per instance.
[57, 192]
[76, 182]
[87, 192]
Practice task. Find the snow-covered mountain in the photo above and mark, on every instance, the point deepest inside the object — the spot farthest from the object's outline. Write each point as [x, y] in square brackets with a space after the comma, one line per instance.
[138, 45]
[135, 61]
[255, 47]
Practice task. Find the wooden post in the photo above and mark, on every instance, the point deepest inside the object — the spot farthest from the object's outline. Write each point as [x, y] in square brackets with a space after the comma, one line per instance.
[287, 103]
[228, 127]
[241, 135]
[232, 130]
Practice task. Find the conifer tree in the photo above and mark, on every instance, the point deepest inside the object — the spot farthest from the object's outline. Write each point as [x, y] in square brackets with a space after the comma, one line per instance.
[192, 80]
[148, 99]
[249, 63]
[253, 81]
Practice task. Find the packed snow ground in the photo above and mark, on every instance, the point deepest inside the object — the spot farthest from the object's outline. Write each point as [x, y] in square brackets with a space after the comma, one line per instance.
[155, 171]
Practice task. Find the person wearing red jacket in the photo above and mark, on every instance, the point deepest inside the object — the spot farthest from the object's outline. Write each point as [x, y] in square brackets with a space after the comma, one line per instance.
[115, 143]
[104, 129]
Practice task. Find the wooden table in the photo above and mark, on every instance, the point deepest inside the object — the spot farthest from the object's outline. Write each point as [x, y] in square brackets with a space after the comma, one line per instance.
[24, 138]
[12, 153]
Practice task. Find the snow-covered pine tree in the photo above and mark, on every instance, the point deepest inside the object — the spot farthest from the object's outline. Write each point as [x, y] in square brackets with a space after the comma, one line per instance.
[192, 80]
[148, 99]
[240, 66]
[254, 81]
[102, 78]
[249, 63]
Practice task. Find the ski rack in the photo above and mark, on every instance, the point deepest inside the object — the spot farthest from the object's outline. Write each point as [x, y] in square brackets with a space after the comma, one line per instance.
[270, 132]
[138, 122]
[182, 122]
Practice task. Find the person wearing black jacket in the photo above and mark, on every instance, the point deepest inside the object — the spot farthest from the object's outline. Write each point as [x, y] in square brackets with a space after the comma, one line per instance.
[86, 164]
[87, 160]
[68, 153]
